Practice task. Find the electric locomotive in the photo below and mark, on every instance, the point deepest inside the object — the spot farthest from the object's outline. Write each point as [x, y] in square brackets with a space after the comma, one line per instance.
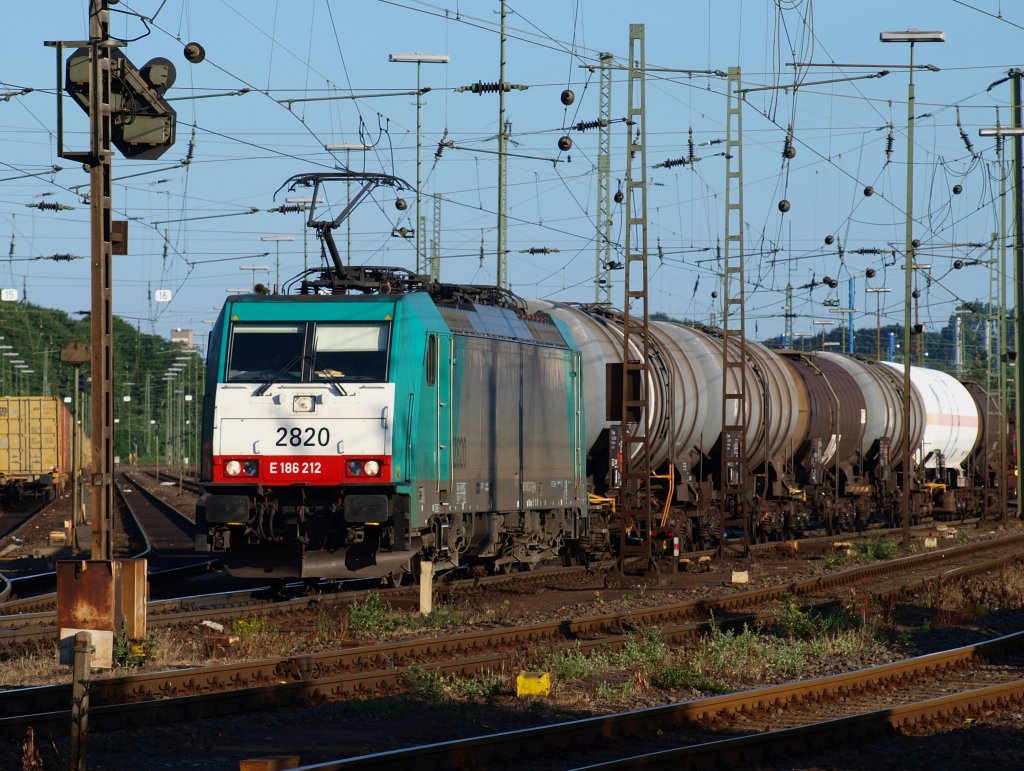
[349, 434]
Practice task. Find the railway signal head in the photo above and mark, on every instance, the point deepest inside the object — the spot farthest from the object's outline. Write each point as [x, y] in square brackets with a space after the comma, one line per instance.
[143, 122]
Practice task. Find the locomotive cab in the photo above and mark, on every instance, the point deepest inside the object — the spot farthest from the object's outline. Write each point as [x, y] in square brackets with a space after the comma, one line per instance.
[299, 472]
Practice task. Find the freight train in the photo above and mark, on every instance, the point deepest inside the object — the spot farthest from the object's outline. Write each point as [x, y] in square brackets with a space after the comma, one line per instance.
[36, 446]
[375, 418]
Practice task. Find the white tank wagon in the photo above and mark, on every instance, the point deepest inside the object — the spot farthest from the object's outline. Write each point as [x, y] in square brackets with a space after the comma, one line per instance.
[952, 426]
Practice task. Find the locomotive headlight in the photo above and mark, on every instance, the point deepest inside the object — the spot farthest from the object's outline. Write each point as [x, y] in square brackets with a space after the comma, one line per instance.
[355, 468]
[371, 468]
[303, 404]
[232, 468]
[251, 468]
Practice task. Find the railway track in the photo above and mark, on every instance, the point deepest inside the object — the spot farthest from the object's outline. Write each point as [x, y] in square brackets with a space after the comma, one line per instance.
[777, 723]
[154, 529]
[365, 670]
[184, 481]
[32, 622]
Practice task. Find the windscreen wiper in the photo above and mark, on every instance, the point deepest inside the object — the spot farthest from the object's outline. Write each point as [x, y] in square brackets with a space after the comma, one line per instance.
[264, 386]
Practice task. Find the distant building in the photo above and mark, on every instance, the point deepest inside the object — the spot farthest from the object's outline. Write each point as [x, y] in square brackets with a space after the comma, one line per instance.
[182, 337]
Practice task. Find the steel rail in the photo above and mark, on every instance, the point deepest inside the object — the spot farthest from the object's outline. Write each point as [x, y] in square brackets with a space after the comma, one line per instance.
[745, 751]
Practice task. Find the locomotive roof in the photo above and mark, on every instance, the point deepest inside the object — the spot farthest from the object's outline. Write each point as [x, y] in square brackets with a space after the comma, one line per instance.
[461, 318]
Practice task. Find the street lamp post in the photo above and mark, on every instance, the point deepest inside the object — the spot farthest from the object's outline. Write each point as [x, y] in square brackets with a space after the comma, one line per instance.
[823, 324]
[877, 291]
[419, 59]
[277, 259]
[910, 36]
[252, 269]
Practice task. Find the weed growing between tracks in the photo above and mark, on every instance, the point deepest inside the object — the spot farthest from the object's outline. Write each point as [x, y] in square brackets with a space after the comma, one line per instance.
[862, 553]
[721, 661]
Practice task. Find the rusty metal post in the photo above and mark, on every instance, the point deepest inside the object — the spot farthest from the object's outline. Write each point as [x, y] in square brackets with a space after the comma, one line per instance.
[76, 464]
[101, 277]
[81, 669]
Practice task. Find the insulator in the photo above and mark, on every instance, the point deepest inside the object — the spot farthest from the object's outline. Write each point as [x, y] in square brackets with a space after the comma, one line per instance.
[286, 208]
[870, 272]
[829, 240]
[691, 154]
[967, 141]
[869, 190]
[671, 162]
[48, 206]
[194, 53]
[958, 264]
[890, 140]
[963, 134]
[400, 204]
[788, 151]
[565, 143]
[784, 206]
[568, 97]
[486, 88]
[583, 125]
[957, 189]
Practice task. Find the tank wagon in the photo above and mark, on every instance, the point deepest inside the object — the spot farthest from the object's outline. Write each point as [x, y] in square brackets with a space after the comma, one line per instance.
[35, 446]
[396, 418]
[824, 432]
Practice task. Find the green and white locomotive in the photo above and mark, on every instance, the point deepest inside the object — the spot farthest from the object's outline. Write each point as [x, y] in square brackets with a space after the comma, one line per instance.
[349, 434]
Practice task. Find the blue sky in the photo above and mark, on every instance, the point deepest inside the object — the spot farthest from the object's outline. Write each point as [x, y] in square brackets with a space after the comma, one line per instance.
[192, 227]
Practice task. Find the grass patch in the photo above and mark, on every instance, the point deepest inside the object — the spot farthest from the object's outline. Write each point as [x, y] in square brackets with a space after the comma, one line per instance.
[574, 664]
[426, 684]
[874, 549]
[677, 675]
[372, 616]
[132, 654]
[331, 623]
[430, 685]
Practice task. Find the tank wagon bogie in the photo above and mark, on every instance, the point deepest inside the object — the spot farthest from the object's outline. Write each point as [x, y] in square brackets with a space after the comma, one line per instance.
[397, 419]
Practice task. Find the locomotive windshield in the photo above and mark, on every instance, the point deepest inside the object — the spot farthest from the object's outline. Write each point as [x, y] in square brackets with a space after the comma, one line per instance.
[351, 352]
[278, 353]
[261, 352]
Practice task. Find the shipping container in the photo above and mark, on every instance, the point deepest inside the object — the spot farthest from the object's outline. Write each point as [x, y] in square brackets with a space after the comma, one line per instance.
[36, 445]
